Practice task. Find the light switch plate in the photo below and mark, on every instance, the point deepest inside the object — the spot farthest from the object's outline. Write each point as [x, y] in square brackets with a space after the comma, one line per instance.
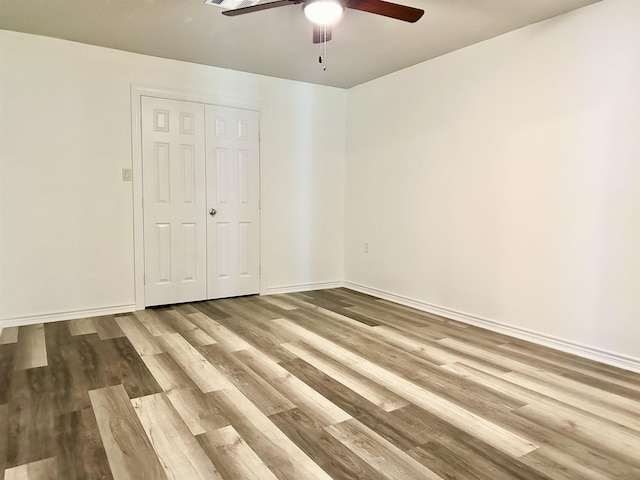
[126, 174]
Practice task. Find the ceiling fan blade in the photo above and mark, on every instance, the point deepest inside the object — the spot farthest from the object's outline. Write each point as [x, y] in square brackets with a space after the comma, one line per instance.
[318, 33]
[259, 6]
[387, 9]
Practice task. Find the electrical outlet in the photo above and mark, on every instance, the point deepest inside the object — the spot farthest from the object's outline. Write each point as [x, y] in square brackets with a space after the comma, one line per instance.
[126, 174]
[366, 247]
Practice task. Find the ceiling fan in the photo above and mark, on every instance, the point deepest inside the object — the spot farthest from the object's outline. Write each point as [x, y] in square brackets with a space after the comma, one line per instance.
[324, 13]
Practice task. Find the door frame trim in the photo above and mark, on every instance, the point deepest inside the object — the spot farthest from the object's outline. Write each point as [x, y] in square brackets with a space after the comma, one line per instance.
[223, 99]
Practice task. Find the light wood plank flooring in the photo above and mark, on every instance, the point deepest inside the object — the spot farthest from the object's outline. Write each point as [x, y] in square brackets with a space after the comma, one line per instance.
[315, 385]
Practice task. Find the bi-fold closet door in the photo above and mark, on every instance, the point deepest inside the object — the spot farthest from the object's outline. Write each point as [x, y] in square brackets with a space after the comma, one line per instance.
[201, 195]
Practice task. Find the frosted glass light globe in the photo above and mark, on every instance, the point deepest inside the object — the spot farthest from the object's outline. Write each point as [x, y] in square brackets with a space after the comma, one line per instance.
[324, 12]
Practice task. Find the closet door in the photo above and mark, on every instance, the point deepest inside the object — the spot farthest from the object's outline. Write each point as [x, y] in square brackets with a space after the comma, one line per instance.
[174, 201]
[233, 201]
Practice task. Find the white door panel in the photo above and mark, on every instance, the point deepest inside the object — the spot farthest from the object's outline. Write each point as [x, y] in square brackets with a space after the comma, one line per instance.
[173, 157]
[233, 191]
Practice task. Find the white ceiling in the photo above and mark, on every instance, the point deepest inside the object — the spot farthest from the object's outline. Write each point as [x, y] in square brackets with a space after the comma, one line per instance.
[277, 42]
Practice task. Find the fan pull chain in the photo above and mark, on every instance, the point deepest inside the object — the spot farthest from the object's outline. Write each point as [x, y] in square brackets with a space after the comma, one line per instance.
[323, 55]
[324, 43]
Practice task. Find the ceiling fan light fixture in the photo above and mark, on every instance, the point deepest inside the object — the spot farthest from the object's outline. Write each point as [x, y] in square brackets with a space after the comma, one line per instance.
[324, 12]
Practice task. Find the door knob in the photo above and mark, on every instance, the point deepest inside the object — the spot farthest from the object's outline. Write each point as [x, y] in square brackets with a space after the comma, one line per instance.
[213, 212]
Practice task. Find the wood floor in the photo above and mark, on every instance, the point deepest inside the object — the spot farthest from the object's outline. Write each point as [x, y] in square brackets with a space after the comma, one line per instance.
[316, 385]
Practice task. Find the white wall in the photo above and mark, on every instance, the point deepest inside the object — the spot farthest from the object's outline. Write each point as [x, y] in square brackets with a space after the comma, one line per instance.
[66, 217]
[503, 180]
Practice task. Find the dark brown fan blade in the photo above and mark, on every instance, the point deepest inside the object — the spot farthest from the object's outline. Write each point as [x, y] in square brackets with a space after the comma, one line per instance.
[260, 6]
[318, 33]
[387, 9]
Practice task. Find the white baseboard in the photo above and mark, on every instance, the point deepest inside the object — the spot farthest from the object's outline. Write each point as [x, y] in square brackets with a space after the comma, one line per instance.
[598, 355]
[602, 356]
[302, 287]
[70, 315]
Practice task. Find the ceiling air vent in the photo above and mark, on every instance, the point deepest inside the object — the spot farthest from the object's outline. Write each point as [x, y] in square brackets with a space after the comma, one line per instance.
[231, 3]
